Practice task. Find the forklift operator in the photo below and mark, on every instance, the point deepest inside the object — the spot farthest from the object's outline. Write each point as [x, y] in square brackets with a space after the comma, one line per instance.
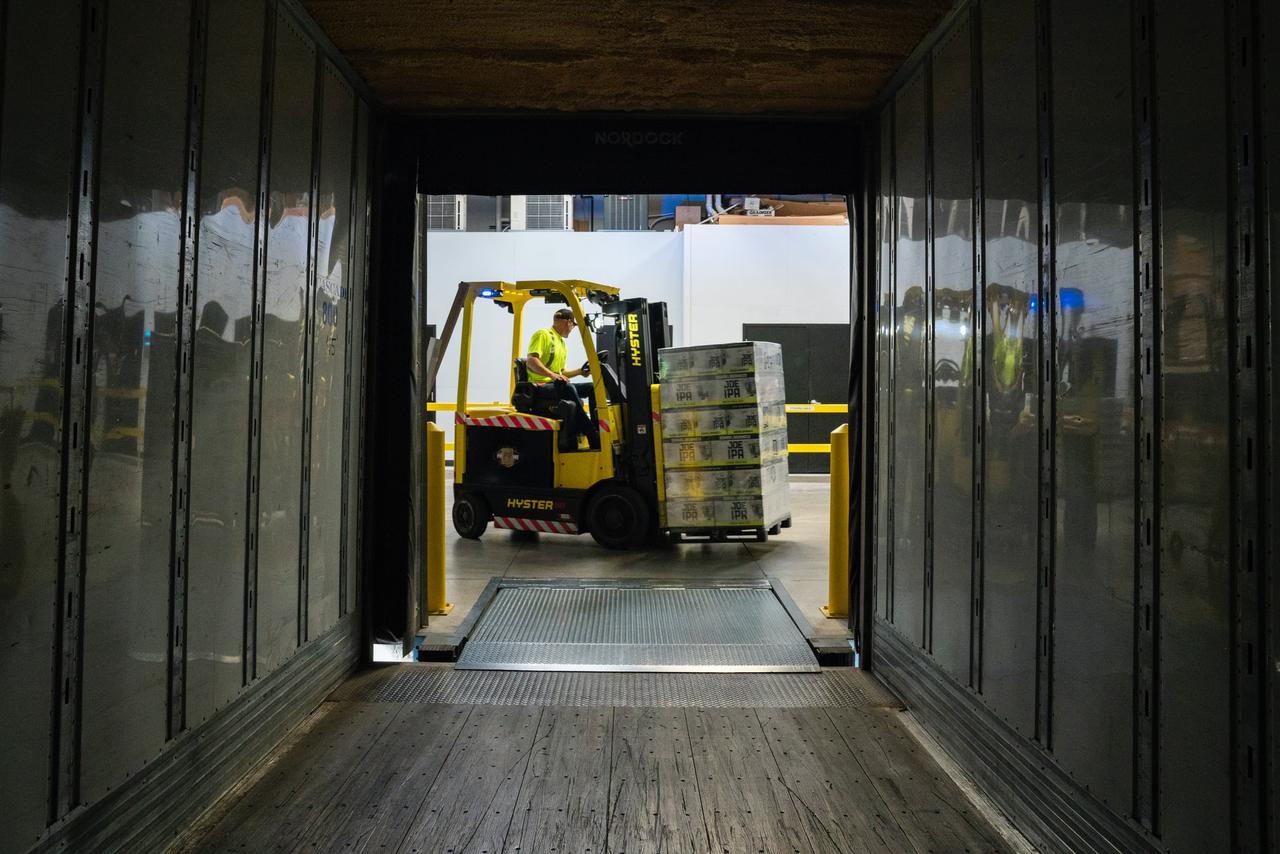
[548, 350]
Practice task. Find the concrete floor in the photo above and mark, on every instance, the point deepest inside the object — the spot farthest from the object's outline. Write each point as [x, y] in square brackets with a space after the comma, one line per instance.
[796, 559]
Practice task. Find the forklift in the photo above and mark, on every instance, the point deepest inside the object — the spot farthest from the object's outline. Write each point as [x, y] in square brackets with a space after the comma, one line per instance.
[548, 463]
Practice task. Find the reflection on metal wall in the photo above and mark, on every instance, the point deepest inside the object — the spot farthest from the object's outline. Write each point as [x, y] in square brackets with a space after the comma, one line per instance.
[224, 344]
[331, 301]
[131, 435]
[1106, 498]
[1194, 628]
[284, 373]
[1011, 222]
[910, 383]
[160, 115]
[1093, 441]
[953, 361]
[353, 467]
[36, 162]
[885, 221]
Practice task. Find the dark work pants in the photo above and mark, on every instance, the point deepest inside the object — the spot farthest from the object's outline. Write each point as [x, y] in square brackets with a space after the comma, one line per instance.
[575, 424]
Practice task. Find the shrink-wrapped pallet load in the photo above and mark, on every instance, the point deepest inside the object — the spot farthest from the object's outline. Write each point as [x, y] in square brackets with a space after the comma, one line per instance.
[724, 437]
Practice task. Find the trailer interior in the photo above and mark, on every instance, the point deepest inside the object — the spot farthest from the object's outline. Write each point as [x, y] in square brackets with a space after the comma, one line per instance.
[1025, 600]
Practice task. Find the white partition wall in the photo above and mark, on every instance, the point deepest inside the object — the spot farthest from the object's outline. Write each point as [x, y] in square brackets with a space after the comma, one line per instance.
[736, 274]
[714, 278]
[641, 263]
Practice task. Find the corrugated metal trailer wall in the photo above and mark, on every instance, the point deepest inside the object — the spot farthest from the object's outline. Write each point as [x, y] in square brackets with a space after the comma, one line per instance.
[1074, 576]
[183, 212]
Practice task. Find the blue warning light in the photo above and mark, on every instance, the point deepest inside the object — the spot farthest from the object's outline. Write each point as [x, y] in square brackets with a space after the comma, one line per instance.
[1071, 299]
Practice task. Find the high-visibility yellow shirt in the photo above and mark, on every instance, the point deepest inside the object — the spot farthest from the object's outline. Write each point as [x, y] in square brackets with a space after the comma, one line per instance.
[548, 346]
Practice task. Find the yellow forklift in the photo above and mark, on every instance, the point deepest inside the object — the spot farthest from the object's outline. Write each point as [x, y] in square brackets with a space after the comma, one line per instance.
[547, 462]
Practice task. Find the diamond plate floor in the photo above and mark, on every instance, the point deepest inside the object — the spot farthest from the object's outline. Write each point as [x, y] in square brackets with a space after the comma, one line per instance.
[435, 684]
[628, 629]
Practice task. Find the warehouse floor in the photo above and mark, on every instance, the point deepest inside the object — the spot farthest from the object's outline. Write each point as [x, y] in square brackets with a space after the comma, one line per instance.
[796, 560]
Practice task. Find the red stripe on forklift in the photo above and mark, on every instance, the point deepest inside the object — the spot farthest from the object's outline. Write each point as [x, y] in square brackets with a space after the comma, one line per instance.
[516, 421]
[543, 526]
[604, 425]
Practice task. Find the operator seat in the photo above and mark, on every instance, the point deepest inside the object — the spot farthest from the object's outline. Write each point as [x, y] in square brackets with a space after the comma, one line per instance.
[522, 393]
[525, 399]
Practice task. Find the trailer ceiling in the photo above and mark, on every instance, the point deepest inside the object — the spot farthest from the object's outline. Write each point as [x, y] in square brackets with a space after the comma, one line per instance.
[749, 56]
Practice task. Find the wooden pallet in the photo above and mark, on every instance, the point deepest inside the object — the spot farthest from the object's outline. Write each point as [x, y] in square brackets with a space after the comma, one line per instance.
[757, 533]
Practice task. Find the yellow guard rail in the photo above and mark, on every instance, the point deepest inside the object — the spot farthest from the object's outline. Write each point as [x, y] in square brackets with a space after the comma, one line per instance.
[838, 541]
[436, 604]
[793, 448]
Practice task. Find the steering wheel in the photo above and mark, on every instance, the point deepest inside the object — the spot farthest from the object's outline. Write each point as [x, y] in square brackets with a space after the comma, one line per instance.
[602, 355]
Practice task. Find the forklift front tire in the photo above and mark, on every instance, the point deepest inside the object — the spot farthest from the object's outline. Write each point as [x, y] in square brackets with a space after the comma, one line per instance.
[618, 517]
[470, 516]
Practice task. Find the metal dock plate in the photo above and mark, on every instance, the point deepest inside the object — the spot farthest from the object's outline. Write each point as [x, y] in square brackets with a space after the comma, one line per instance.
[667, 629]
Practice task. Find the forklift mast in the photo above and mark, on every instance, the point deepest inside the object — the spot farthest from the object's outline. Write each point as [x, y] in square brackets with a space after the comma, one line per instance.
[639, 330]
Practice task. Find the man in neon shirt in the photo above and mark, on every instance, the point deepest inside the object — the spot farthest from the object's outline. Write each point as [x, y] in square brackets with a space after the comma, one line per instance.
[548, 349]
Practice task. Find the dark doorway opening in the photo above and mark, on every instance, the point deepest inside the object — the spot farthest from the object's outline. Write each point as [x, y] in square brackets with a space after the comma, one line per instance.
[816, 366]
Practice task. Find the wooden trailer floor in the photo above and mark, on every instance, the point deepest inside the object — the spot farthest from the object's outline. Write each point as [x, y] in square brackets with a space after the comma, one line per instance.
[424, 758]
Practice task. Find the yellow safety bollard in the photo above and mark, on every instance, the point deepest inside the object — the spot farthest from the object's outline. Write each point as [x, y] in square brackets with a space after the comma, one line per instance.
[838, 559]
[436, 605]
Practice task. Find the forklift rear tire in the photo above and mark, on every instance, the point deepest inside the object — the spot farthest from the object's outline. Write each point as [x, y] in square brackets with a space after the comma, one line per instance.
[470, 516]
[618, 517]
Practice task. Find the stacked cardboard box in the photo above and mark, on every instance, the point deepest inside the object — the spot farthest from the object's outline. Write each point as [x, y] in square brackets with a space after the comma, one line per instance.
[724, 435]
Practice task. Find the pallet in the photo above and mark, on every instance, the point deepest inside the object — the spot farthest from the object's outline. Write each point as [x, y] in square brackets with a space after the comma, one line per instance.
[757, 533]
